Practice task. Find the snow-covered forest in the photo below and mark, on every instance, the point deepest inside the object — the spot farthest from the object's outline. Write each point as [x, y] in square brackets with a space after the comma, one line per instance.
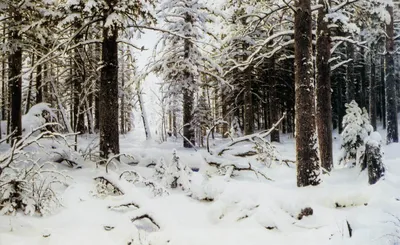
[155, 122]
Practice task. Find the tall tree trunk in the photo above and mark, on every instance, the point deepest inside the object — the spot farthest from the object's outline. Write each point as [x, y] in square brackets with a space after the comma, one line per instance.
[248, 115]
[274, 100]
[188, 131]
[15, 68]
[306, 140]
[3, 83]
[78, 81]
[108, 104]
[363, 76]
[97, 94]
[350, 82]
[372, 89]
[39, 94]
[383, 92]
[224, 114]
[391, 102]
[122, 112]
[28, 97]
[323, 89]
[188, 98]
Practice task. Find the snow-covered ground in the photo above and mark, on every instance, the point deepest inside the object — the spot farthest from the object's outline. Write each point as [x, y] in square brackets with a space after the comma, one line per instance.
[245, 210]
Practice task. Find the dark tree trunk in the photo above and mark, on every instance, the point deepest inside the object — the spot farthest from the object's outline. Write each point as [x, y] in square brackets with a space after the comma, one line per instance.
[373, 162]
[188, 98]
[39, 94]
[122, 112]
[188, 131]
[28, 96]
[323, 89]
[108, 101]
[248, 116]
[224, 112]
[383, 93]
[4, 84]
[15, 69]
[372, 90]
[363, 76]
[306, 141]
[274, 101]
[391, 102]
[78, 81]
[350, 82]
[97, 95]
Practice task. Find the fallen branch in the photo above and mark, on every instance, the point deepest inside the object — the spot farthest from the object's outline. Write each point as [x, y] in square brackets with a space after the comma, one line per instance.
[125, 205]
[209, 132]
[252, 137]
[236, 168]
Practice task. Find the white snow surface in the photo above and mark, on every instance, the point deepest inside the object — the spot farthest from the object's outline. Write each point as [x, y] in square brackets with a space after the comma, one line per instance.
[245, 210]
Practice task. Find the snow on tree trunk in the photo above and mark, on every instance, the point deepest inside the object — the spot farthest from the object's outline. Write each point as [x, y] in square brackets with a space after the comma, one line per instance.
[323, 89]
[391, 103]
[108, 104]
[308, 169]
[373, 158]
[144, 116]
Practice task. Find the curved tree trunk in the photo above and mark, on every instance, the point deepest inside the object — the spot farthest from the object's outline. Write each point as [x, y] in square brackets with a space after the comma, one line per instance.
[306, 141]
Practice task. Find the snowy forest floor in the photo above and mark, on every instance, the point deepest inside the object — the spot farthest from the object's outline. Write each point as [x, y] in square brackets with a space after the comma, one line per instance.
[245, 210]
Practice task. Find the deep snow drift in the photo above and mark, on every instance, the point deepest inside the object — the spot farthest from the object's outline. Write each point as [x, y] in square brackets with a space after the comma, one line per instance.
[245, 210]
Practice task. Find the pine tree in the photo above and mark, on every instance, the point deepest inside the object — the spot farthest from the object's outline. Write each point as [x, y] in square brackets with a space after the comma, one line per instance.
[181, 61]
[356, 127]
[306, 140]
[390, 89]
[323, 88]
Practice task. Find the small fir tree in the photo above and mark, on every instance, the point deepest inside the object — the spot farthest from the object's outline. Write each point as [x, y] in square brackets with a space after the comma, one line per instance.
[356, 128]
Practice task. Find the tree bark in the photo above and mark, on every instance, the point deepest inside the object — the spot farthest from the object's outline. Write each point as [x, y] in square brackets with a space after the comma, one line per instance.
[248, 115]
[274, 101]
[78, 81]
[188, 98]
[15, 70]
[323, 89]
[383, 93]
[28, 96]
[350, 83]
[391, 102]
[108, 101]
[3, 85]
[372, 90]
[122, 111]
[224, 114]
[306, 141]
[39, 94]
